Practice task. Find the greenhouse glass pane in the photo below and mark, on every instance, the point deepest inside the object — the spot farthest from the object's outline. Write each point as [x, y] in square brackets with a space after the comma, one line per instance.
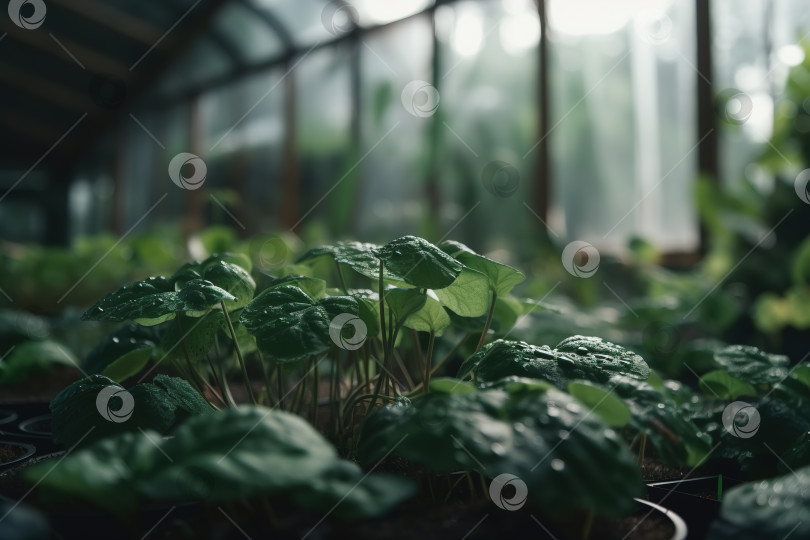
[623, 122]
[323, 105]
[751, 72]
[302, 19]
[203, 62]
[373, 12]
[488, 118]
[243, 130]
[253, 38]
[390, 199]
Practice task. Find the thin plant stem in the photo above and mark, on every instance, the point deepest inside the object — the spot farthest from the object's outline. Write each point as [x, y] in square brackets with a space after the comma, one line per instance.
[191, 374]
[417, 347]
[280, 382]
[316, 378]
[239, 354]
[586, 528]
[340, 278]
[453, 486]
[405, 373]
[642, 450]
[428, 360]
[488, 323]
[266, 374]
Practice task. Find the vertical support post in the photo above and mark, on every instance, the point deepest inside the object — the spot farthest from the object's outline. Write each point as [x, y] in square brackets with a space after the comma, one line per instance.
[57, 232]
[290, 185]
[706, 124]
[543, 189]
[194, 197]
[118, 168]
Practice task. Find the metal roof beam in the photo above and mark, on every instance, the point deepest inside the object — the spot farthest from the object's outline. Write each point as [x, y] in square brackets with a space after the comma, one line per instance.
[110, 17]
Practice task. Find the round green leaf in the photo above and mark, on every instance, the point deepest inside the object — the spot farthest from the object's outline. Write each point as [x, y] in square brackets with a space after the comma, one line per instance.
[468, 296]
[606, 405]
[502, 278]
[419, 263]
[431, 317]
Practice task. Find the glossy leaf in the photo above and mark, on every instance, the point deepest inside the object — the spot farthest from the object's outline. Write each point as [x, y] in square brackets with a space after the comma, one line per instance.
[228, 456]
[502, 278]
[501, 359]
[431, 317]
[577, 357]
[123, 353]
[752, 365]
[289, 325]
[79, 416]
[774, 508]
[419, 263]
[567, 457]
[604, 404]
[677, 440]
[314, 287]
[468, 296]
[360, 257]
[403, 302]
[605, 356]
[721, 385]
[154, 300]
[233, 279]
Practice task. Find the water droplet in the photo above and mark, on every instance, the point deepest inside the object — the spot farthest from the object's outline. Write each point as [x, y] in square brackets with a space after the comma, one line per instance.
[116, 340]
[557, 464]
[563, 434]
[544, 353]
[789, 502]
[520, 428]
[573, 408]
[762, 498]
[553, 411]
[99, 309]
[610, 434]
[565, 361]
[773, 501]
[582, 350]
[498, 449]
[662, 406]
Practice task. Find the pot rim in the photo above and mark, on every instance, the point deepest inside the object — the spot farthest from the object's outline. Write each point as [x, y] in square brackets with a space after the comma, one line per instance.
[24, 426]
[677, 521]
[10, 416]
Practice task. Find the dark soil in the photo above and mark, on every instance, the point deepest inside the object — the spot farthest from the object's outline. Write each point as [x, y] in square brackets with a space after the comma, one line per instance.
[10, 452]
[654, 471]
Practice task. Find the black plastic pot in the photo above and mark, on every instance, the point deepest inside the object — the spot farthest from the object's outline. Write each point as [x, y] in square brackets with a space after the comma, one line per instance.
[26, 450]
[691, 498]
[28, 423]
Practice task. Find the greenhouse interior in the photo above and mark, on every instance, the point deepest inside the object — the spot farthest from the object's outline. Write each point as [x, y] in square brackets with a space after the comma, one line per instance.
[383, 269]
